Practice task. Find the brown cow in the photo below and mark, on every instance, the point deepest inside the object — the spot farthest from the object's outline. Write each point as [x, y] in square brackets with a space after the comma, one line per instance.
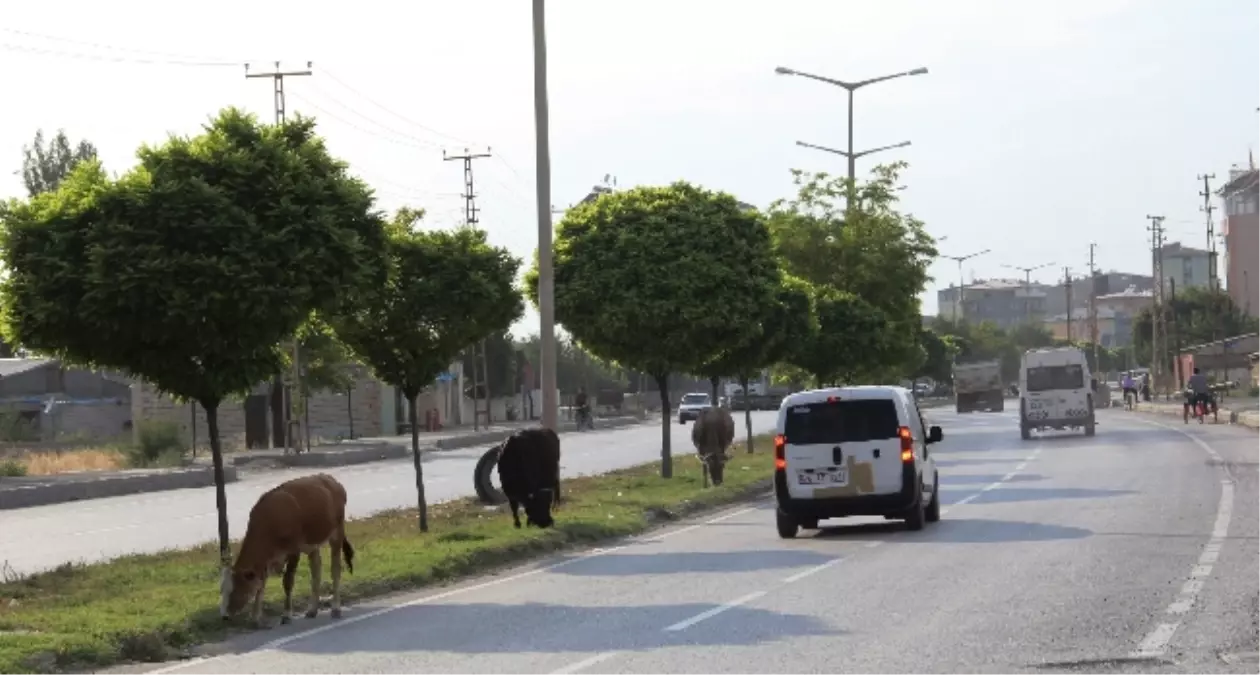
[297, 516]
[712, 433]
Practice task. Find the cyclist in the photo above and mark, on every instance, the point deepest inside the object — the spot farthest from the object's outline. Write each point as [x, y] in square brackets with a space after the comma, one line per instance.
[1130, 390]
[1199, 392]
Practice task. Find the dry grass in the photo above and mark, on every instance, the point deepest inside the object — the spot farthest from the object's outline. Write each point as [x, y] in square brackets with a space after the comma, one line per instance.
[69, 461]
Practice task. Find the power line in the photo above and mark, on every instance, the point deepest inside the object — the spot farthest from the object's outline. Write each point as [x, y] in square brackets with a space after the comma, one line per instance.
[369, 99]
[371, 132]
[115, 59]
[170, 56]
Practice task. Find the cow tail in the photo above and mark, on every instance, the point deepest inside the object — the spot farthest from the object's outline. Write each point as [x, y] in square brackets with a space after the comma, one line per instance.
[347, 552]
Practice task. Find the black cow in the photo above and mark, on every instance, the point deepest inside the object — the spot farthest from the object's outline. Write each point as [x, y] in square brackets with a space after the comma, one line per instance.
[529, 471]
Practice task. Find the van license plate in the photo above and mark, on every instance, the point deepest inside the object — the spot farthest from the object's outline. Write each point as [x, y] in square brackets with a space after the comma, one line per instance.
[840, 476]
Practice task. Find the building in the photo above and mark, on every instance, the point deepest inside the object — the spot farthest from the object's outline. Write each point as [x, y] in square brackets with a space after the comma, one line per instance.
[1114, 329]
[41, 399]
[1242, 244]
[1187, 267]
[1006, 302]
[1104, 283]
[1130, 301]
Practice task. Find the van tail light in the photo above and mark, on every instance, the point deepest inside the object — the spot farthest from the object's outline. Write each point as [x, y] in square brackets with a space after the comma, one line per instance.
[907, 444]
[780, 452]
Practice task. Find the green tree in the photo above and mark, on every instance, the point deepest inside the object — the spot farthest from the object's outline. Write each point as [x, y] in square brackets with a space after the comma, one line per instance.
[782, 325]
[848, 332]
[1198, 315]
[938, 362]
[190, 269]
[654, 278]
[444, 291]
[873, 252]
[44, 166]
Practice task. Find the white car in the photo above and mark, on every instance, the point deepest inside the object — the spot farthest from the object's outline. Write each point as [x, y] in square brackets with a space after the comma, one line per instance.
[854, 451]
[1055, 391]
[690, 406]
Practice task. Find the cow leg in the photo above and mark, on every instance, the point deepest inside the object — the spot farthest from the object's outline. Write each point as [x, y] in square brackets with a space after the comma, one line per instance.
[556, 488]
[335, 565]
[258, 601]
[516, 520]
[290, 572]
[704, 472]
[316, 564]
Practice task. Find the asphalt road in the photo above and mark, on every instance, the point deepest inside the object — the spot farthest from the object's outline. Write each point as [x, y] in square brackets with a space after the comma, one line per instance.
[1125, 552]
[46, 536]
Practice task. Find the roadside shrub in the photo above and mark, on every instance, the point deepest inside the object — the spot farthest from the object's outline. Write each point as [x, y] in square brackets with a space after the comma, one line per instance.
[159, 444]
[12, 468]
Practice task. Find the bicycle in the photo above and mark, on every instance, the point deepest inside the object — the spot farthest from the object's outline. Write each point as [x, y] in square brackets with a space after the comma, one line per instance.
[1130, 399]
[1199, 407]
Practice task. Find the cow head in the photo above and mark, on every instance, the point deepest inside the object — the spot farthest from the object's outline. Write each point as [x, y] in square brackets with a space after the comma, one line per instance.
[237, 588]
[538, 508]
[716, 462]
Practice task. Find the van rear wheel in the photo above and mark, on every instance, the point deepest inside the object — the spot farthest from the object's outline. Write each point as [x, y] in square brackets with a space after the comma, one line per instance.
[933, 512]
[916, 516]
[786, 524]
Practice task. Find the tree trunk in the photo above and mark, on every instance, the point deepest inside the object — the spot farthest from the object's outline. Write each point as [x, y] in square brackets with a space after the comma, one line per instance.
[743, 383]
[415, 459]
[667, 460]
[713, 385]
[211, 407]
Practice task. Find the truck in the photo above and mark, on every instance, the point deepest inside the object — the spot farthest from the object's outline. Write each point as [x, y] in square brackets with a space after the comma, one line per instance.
[978, 386]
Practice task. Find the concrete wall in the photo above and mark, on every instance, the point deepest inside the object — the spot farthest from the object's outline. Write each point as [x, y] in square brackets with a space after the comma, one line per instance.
[94, 419]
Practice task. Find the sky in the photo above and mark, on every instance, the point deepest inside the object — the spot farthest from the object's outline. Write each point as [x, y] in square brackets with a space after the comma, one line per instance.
[1041, 126]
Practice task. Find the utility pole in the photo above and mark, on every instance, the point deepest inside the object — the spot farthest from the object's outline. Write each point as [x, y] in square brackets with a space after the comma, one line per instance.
[1158, 326]
[958, 300]
[1093, 305]
[1028, 286]
[302, 436]
[1213, 282]
[1067, 290]
[1176, 334]
[481, 385]
[546, 273]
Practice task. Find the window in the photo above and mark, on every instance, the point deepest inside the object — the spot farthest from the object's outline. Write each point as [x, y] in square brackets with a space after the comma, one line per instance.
[1055, 377]
[695, 398]
[841, 422]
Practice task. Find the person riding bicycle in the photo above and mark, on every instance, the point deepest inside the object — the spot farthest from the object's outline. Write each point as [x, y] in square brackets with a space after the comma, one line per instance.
[1199, 390]
[1129, 385]
[579, 401]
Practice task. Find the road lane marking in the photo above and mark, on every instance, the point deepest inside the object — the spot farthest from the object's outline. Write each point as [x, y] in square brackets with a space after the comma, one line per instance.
[585, 663]
[351, 620]
[709, 614]
[816, 569]
[994, 485]
[1156, 642]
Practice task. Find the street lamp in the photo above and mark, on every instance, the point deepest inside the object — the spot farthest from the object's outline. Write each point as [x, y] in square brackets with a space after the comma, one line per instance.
[851, 87]
[1028, 286]
[959, 259]
[546, 274]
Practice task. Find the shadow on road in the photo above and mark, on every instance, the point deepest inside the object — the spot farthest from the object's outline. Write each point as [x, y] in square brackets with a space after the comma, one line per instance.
[961, 531]
[987, 478]
[942, 463]
[488, 628]
[626, 564]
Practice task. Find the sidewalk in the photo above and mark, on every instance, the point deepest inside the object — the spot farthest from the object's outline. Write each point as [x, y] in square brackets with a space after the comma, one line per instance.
[1235, 410]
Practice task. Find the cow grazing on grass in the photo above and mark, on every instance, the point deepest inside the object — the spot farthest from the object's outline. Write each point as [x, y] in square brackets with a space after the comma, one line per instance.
[298, 516]
[712, 433]
[529, 471]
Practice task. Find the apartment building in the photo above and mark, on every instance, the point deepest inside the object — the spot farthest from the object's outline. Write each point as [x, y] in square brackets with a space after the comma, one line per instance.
[1239, 227]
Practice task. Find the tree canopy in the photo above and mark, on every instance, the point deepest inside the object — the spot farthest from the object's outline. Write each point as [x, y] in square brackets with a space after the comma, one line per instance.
[443, 291]
[1198, 315]
[44, 166]
[660, 279]
[190, 269]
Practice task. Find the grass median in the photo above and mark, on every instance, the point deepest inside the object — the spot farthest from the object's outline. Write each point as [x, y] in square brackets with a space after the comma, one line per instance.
[153, 607]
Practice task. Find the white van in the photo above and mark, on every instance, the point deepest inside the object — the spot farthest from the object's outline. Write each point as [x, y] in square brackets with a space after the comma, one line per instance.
[1055, 391]
[853, 451]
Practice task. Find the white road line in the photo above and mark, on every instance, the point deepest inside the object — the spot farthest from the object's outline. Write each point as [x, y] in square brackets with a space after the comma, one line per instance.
[709, 614]
[815, 569]
[347, 621]
[585, 663]
[1156, 642]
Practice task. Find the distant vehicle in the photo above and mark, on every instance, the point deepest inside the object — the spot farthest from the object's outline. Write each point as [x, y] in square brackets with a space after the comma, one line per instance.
[1056, 391]
[978, 386]
[854, 451]
[690, 406]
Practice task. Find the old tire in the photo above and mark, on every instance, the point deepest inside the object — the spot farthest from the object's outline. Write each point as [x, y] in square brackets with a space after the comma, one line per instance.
[916, 515]
[786, 524]
[483, 478]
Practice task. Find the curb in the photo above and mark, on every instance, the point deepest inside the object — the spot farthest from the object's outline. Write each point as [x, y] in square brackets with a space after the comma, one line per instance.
[95, 487]
[1246, 418]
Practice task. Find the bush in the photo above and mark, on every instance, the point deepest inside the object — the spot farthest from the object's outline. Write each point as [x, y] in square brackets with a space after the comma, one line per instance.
[12, 468]
[160, 444]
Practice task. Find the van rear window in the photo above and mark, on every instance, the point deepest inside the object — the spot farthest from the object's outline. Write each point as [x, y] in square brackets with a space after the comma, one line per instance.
[841, 422]
[1049, 378]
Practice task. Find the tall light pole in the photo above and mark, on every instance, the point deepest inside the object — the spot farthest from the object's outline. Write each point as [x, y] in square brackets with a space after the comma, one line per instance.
[542, 179]
[959, 259]
[1028, 286]
[851, 87]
